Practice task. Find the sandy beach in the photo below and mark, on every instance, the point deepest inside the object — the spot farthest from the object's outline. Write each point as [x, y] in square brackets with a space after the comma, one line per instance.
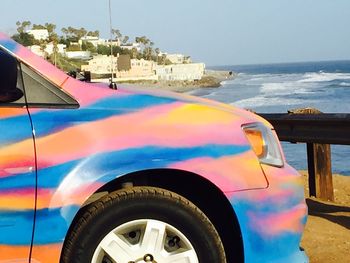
[327, 235]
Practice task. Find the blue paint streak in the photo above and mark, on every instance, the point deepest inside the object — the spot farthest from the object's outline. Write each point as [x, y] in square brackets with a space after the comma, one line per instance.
[9, 44]
[49, 121]
[111, 164]
[281, 247]
[107, 166]
[17, 182]
[11, 131]
[16, 227]
[51, 225]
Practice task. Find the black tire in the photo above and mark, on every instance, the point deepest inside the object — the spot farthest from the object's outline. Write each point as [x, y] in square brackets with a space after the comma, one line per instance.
[126, 205]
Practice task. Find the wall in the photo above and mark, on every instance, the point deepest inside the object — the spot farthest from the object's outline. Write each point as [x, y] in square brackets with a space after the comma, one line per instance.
[194, 71]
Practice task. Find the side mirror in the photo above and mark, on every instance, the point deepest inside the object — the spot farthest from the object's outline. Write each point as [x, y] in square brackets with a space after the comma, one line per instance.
[8, 79]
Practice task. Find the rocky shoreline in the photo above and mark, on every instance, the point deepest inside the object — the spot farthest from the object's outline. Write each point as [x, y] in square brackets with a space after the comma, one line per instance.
[211, 79]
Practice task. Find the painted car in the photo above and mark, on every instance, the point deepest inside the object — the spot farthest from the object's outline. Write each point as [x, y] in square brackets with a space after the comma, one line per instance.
[92, 174]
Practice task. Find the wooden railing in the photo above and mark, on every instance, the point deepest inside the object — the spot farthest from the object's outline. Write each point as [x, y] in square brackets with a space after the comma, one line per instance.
[318, 131]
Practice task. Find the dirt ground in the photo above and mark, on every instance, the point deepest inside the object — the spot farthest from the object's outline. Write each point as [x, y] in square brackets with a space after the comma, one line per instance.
[327, 234]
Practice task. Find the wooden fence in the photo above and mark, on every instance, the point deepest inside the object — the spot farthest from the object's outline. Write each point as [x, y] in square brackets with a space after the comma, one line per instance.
[318, 131]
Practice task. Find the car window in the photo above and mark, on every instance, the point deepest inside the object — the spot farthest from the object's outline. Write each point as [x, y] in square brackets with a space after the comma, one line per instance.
[42, 93]
[11, 93]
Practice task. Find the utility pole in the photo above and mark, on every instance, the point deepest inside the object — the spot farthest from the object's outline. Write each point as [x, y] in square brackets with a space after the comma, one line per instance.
[112, 85]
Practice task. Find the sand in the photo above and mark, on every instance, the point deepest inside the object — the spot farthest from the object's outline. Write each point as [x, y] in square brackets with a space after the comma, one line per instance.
[327, 234]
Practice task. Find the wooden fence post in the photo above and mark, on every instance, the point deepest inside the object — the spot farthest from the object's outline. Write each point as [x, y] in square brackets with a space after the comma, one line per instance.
[319, 164]
[320, 171]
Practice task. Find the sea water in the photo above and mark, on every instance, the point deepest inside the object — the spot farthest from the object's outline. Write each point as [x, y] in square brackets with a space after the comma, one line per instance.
[278, 88]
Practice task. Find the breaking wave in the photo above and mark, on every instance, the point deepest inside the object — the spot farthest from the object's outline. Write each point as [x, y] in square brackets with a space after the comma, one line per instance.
[324, 77]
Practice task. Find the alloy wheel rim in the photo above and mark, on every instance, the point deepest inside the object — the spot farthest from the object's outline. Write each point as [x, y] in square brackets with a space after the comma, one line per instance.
[145, 240]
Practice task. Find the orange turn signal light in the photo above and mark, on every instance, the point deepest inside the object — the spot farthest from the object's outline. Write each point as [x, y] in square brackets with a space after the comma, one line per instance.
[256, 139]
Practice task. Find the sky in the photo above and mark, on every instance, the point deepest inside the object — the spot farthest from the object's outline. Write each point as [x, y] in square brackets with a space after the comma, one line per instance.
[220, 32]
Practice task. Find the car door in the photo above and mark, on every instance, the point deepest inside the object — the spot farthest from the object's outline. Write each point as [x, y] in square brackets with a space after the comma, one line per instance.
[17, 166]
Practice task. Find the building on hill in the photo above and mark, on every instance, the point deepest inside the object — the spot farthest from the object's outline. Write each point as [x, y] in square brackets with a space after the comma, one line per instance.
[176, 58]
[96, 41]
[37, 50]
[61, 48]
[39, 34]
[124, 68]
[132, 46]
[48, 49]
[82, 55]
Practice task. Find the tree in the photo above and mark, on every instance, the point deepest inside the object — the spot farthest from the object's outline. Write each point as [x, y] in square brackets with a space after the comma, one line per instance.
[103, 50]
[35, 26]
[134, 53]
[88, 46]
[116, 34]
[22, 27]
[24, 39]
[74, 34]
[146, 47]
[95, 33]
[125, 40]
[50, 28]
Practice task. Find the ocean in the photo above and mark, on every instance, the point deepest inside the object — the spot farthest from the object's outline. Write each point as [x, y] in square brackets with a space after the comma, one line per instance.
[277, 88]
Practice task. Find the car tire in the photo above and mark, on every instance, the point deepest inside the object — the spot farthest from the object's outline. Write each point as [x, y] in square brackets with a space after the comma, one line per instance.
[143, 224]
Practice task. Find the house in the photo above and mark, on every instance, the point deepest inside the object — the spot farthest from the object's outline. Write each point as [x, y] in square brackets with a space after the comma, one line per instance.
[83, 55]
[39, 34]
[132, 46]
[61, 48]
[124, 68]
[100, 66]
[36, 49]
[96, 41]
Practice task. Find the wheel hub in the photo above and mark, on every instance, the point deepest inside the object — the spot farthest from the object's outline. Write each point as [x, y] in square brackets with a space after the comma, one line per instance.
[150, 241]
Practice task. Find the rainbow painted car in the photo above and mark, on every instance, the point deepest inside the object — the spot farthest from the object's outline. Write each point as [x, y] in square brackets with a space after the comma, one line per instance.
[91, 174]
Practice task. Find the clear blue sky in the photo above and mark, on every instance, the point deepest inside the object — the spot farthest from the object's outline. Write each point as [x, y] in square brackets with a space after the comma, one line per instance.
[217, 32]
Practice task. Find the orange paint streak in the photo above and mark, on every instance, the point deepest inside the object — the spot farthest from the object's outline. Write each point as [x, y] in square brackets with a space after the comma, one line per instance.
[17, 201]
[16, 254]
[11, 112]
[46, 253]
[12, 156]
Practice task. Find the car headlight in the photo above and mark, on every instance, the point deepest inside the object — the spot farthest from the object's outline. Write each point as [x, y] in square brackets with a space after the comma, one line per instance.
[264, 144]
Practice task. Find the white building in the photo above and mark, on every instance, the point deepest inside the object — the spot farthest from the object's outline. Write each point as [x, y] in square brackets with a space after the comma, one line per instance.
[194, 71]
[36, 49]
[47, 50]
[178, 58]
[39, 34]
[98, 41]
[132, 46]
[101, 66]
[61, 48]
[84, 55]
